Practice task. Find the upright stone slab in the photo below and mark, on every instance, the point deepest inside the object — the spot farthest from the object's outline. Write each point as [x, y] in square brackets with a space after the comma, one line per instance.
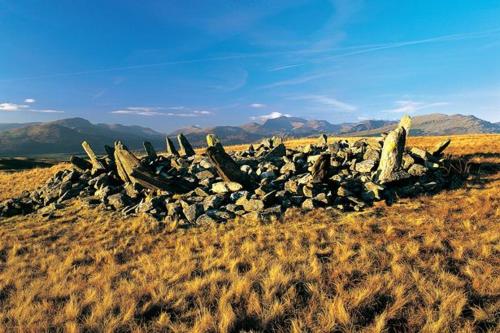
[171, 148]
[323, 140]
[110, 151]
[391, 157]
[148, 147]
[277, 140]
[96, 164]
[213, 140]
[320, 168]
[185, 148]
[226, 167]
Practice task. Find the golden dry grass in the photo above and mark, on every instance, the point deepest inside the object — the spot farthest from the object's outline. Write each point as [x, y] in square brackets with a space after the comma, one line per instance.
[427, 264]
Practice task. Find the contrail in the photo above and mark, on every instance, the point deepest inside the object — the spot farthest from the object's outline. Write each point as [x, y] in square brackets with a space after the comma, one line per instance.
[358, 49]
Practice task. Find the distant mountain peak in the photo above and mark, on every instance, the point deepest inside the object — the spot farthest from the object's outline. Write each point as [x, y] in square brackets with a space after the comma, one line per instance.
[66, 135]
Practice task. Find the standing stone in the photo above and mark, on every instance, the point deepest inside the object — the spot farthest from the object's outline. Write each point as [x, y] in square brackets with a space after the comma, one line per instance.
[392, 152]
[212, 140]
[320, 168]
[149, 149]
[277, 140]
[110, 151]
[96, 164]
[323, 140]
[171, 148]
[185, 148]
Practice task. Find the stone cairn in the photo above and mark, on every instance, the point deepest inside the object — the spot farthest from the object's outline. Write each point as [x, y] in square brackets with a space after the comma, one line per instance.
[263, 181]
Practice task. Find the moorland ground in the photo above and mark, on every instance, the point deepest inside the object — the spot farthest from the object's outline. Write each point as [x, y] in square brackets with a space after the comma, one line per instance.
[429, 263]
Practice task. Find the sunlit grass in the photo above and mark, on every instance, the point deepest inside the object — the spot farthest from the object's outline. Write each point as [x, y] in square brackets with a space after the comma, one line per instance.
[425, 264]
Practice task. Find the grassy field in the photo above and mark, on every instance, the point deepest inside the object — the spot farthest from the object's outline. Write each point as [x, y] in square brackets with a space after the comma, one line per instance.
[427, 264]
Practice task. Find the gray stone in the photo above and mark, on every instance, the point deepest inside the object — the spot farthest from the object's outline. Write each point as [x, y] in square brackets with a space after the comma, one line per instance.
[417, 170]
[118, 201]
[365, 166]
[225, 187]
[213, 201]
[192, 212]
[205, 219]
[205, 174]
[251, 205]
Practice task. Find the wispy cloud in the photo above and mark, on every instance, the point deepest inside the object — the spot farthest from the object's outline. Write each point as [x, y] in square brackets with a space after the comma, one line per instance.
[15, 107]
[336, 104]
[161, 111]
[359, 49]
[409, 106]
[297, 80]
[280, 68]
[272, 115]
[12, 107]
[257, 105]
[45, 111]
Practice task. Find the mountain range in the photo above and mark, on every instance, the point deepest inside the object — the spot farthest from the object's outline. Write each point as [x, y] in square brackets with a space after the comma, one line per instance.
[65, 136]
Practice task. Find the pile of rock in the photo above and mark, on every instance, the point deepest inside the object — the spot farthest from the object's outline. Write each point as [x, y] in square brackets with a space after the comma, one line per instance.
[263, 181]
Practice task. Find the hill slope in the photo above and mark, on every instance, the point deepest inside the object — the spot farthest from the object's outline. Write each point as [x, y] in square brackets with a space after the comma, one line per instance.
[65, 136]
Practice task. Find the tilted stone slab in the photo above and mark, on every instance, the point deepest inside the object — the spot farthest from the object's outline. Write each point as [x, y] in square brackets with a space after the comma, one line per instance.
[96, 164]
[130, 170]
[185, 148]
[277, 152]
[440, 147]
[226, 167]
[171, 148]
[148, 147]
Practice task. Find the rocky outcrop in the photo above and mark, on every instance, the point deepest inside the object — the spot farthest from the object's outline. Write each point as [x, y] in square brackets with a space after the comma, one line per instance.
[263, 181]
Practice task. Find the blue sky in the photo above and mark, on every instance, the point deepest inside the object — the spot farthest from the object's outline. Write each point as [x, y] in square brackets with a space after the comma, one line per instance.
[170, 64]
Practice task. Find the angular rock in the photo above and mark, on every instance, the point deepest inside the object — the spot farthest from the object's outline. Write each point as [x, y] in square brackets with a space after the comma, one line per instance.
[225, 187]
[118, 200]
[171, 148]
[226, 167]
[437, 151]
[277, 152]
[185, 148]
[192, 212]
[213, 202]
[392, 152]
[320, 168]
[96, 164]
[365, 166]
[206, 219]
[150, 151]
[323, 140]
[251, 205]
[417, 170]
[80, 164]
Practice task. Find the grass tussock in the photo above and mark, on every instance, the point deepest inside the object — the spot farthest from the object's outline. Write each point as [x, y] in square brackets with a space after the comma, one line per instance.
[425, 264]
